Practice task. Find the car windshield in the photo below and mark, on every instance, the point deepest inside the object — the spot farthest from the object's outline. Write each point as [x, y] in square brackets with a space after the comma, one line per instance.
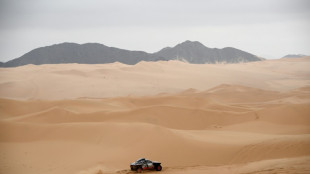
[141, 159]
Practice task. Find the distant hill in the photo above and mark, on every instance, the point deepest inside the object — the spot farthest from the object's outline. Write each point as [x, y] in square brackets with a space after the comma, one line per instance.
[94, 53]
[294, 56]
[89, 53]
[195, 52]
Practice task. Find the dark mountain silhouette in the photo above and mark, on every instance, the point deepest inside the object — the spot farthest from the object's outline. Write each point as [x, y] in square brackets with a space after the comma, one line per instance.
[94, 53]
[195, 52]
[90, 53]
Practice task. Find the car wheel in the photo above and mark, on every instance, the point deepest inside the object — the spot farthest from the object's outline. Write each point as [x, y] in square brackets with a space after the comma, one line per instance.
[158, 168]
[139, 170]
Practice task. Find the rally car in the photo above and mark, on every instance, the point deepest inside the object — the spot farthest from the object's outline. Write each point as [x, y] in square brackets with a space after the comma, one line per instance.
[145, 164]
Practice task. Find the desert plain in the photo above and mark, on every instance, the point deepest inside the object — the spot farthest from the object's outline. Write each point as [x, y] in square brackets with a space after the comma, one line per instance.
[195, 119]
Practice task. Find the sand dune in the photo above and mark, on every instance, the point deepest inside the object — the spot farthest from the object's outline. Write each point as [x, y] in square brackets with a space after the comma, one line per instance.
[92, 119]
[71, 81]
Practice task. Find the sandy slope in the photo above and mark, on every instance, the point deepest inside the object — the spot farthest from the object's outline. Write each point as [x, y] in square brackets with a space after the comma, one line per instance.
[71, 81]
[245, 118]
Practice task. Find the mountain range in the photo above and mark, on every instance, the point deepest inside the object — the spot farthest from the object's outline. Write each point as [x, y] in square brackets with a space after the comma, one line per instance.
[95, 53]
[294, 56]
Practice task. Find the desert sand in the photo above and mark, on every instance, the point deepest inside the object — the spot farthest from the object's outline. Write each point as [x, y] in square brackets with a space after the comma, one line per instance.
[195, 119]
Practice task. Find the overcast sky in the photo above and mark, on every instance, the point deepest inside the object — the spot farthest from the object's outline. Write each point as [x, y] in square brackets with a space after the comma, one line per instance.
[267, 28]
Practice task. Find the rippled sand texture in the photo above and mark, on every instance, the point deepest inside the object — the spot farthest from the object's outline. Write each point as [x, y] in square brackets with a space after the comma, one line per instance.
[195, 119]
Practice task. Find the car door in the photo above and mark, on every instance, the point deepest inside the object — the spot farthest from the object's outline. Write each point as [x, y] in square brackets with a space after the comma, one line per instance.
[149, 164]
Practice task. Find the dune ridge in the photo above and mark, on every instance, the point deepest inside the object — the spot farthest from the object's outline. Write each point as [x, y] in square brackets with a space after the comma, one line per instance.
[72, 81]
[242, 125]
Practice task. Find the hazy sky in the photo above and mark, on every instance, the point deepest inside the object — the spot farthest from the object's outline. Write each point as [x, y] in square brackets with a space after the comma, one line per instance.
[267, 28]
